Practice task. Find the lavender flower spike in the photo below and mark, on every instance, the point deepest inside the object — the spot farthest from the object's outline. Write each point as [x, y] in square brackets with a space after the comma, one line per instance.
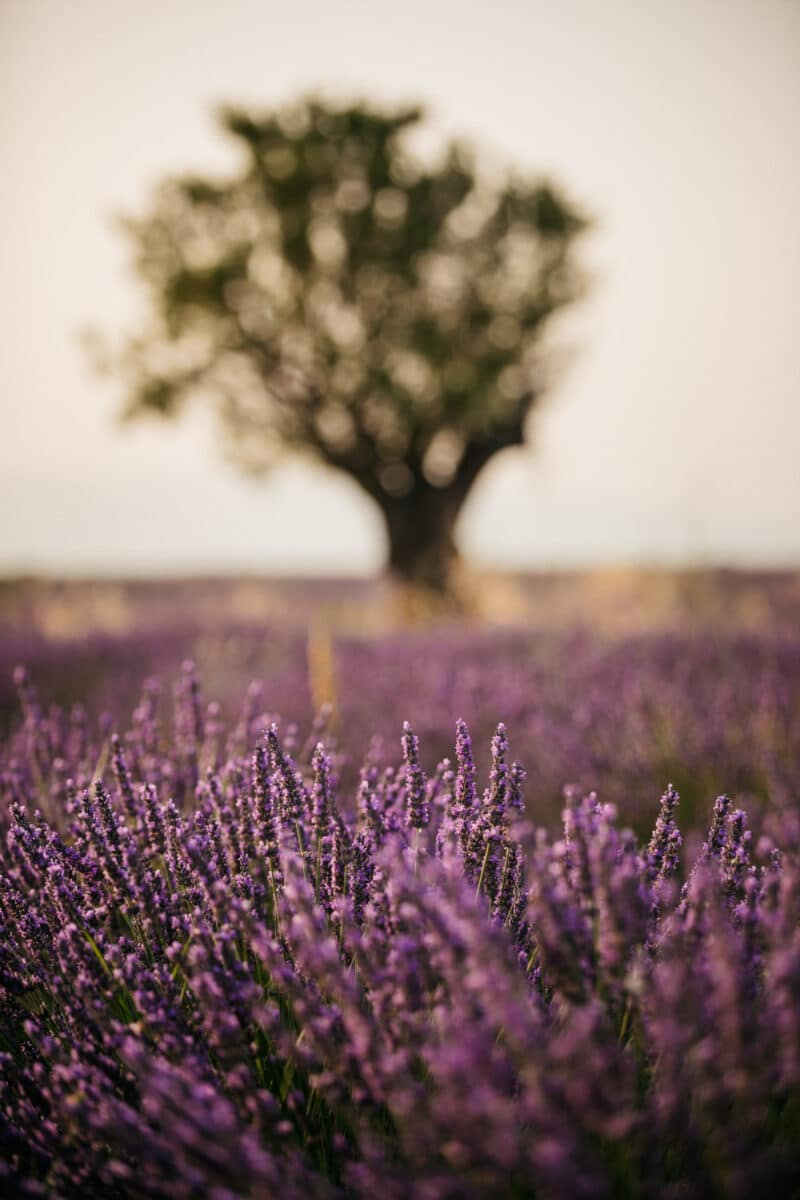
[418, 812]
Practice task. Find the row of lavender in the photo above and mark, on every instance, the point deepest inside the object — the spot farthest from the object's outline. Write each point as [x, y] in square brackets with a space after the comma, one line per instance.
[221, 977]
[712, 712]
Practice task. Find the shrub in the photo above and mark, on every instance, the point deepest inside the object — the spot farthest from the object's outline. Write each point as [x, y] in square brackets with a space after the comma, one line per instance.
[218, 980]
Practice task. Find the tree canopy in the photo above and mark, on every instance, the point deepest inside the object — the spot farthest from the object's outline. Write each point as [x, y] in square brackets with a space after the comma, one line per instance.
[340, 296]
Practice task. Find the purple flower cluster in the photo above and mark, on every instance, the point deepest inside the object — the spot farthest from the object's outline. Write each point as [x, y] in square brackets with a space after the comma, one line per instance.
[223, 976]
[618, 714]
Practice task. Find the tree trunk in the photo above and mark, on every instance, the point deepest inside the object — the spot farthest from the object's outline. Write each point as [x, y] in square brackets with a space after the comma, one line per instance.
[420, 530]
[421, 523]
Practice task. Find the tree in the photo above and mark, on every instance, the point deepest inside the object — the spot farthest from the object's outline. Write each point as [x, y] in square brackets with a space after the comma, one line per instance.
[338, 297]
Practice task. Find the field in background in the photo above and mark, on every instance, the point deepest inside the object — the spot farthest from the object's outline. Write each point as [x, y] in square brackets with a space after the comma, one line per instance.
[620, 681]
[608, 601]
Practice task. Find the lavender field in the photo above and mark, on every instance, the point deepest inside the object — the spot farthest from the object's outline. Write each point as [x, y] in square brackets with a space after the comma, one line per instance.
[303, 894]
[614, 684]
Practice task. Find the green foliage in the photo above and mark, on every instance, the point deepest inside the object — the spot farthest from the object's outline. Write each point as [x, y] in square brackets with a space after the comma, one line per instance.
[339, 295]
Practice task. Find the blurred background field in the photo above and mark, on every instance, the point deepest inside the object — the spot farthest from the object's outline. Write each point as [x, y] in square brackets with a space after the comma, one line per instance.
[621, 681]
[610, 600]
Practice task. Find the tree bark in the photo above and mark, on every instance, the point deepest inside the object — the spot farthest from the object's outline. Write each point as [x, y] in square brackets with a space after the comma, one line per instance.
[420, 529]
[420, 525]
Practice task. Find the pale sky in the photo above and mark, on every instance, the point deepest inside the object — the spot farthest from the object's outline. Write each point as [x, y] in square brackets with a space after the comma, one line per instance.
[673, 438]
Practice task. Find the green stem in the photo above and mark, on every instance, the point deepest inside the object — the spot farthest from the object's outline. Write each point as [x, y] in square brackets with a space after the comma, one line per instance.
[483, 869]
[317, 867]
[626, 1017]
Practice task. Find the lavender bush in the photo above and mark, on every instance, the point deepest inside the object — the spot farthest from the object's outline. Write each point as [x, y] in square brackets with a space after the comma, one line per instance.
[221, 977]
[621, 714]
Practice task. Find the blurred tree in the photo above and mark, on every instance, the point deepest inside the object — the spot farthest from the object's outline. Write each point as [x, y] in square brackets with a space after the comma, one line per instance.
[338, 297]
